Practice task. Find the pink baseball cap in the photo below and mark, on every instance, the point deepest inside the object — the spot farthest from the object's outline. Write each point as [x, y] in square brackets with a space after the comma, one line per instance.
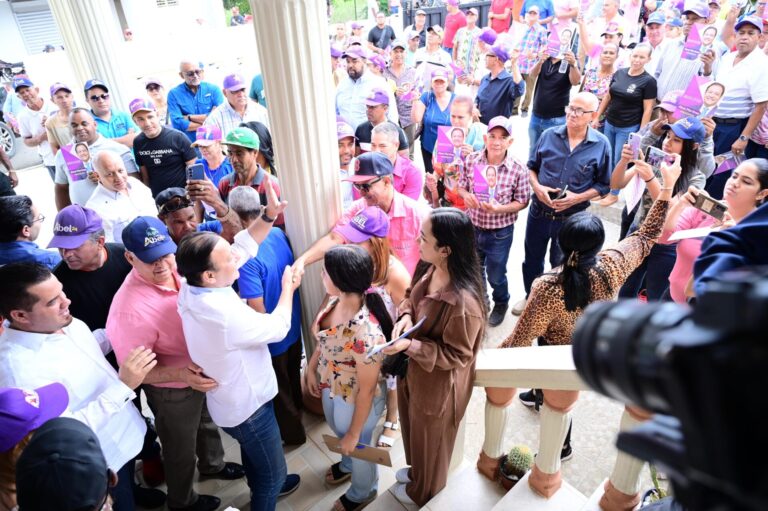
[344, 130]
[207, 135]
[501, 122]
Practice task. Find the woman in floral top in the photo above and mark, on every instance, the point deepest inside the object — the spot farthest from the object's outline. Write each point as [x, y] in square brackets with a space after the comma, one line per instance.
[354, 321]
[597, 80]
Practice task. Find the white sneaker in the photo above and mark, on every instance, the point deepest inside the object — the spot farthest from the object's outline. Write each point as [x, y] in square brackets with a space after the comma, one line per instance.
[403, 497]
[401, 476]
[519, 307]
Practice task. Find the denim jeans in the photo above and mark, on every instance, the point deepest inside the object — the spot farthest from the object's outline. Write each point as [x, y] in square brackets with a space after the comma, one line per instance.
[338, 414]
[493, 247]
[617, 137]
[537, 126]
[724, 136]
[540, 232]
[262, 453]
[654, 272]
[122, 493]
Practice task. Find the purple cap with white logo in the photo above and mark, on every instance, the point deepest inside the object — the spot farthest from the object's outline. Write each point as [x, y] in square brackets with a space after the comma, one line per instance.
[22, 411]
[207, 135]
[344, 130]
[56, 87]
[355, 52]
[234, 83]
[377, 96]
[378, 61]
[698, 7]
[370, 222]
[753, 20]
[141, 105]
[73, 225]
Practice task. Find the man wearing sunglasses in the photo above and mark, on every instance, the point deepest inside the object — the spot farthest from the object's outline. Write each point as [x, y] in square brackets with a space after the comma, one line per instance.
[20, 223]
[176, 209]
[110, 123]
[190, 102]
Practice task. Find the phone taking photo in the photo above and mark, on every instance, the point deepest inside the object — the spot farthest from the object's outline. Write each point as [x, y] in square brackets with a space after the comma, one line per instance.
[710, 206]
[196, 171]
[655, 157]
[634, 143]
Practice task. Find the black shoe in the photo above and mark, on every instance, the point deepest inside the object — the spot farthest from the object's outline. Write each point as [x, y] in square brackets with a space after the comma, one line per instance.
[290, 485]
[566, 453]
[497, 314]
[532, 398]
[148, 498]
[203, 503]
[230, 472]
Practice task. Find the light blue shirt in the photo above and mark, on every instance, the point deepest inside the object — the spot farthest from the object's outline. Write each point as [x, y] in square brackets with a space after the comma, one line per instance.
[119, 124]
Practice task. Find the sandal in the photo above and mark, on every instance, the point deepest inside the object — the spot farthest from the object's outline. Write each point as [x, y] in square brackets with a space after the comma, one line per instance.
[386, 440]
[344, 504]
[335, 475]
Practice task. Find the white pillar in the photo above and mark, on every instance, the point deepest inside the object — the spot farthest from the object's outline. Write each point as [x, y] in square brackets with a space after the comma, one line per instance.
[293, 47]
[92, 39]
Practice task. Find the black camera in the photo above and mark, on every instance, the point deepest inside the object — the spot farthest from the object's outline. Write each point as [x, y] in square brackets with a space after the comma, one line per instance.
[704, 371]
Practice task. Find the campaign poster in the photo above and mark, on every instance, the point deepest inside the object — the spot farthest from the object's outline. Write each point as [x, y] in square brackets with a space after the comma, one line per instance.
[708, 36]
[726, 162]
[553, 44]
[457, 70]
[692, 46]
[711, 94]
[449, 142]
[689, 103]
[77, 158]
[485, 181]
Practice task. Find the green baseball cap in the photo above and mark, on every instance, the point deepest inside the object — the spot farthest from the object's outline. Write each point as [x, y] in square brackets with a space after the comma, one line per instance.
[243, 137]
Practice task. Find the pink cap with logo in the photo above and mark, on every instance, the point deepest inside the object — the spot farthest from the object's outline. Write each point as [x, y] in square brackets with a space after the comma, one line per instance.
[141, 105]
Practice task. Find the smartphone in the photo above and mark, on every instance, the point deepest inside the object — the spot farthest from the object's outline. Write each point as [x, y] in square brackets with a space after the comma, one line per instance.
[196, 171]
[558, 194]
[710, 206]
[634, 143]
[655, 157]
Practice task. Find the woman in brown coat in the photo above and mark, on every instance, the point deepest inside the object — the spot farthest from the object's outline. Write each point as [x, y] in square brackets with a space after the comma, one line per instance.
[438, 384]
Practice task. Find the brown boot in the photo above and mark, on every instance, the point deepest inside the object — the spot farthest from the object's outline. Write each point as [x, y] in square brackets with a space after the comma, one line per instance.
[488, 466]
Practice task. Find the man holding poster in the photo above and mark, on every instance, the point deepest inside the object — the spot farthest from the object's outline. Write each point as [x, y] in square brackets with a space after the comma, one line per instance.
[495, 187]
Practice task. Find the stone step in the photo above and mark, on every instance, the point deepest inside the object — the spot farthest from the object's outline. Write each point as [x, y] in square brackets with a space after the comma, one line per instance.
[611, 213]
[522, 498]
[593, 502]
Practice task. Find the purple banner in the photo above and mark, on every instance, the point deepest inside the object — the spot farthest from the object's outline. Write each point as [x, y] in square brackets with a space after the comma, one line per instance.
[692, 46]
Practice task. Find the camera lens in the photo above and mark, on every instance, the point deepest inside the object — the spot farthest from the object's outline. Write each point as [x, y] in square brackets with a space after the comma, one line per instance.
[619, 352]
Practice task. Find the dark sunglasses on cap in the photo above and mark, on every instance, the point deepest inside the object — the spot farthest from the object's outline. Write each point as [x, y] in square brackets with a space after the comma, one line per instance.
[175, 204]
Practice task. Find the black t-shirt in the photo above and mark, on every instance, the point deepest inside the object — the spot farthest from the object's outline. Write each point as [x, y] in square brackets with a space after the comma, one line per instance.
[627, 95]
[91, 292]
[553, 90]
[165, 158]
[381, 37]
[365, 130]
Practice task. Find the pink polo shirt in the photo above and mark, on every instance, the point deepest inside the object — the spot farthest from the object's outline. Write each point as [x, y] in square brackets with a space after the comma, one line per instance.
[145, 314]
[405, 216]
[408, 179]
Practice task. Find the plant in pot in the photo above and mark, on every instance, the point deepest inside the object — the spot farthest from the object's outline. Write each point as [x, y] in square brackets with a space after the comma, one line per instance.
[657, 492]
[514, 465]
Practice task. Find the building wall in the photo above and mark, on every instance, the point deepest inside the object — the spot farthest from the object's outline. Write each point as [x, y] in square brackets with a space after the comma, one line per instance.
[11, 44]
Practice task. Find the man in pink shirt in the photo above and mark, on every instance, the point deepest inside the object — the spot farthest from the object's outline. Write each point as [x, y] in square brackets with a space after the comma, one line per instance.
[144, 313]
[455, 20]
[500, 15]
[374, 179]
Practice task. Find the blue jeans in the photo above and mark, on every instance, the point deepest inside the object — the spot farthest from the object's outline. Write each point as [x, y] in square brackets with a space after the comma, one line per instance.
[262, 452]
[537, 126]
[493, 247]
[617, 137]
[724, 136]
[540, 231]
[338, 414]
[653, 272]
[122, 493]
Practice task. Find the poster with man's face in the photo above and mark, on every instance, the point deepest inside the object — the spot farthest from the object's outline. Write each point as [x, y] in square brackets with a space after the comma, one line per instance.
[486, 178]
[73, 154]
[449, 142]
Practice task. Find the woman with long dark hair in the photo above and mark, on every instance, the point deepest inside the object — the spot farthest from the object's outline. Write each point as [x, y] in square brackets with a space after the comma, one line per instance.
[353, 322]
[557, 300]
[437, 386]
[266, 156]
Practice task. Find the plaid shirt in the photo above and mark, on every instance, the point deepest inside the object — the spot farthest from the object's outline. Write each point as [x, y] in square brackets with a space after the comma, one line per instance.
[512, 185]
[534, 40]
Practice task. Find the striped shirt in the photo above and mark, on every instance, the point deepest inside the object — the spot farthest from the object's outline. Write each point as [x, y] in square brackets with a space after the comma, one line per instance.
[746, 83]
[227, 119]
[674, 73]
[534, 39]
[512, 185]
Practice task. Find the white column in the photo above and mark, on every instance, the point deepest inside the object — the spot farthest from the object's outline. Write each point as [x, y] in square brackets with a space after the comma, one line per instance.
[293, 47]
[92, 39]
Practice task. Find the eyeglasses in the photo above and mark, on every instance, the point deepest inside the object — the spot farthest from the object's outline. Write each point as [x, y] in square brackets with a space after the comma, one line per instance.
[366, 187]
[97, 97]
[40, 219]
[577, 112]
[196, 72]
[175, 204]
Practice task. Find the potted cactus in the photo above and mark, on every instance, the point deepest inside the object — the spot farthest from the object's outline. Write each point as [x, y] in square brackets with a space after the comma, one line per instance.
[514, 465]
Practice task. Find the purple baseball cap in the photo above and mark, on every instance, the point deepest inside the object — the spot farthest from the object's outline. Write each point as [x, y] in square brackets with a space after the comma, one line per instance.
[344, 130]
[378, 61]
[22, 411]
[234, 83]
[499, 51]
[377, 96]
[698, 7]
[488, 36]
[56, 87]
[370, 222]
[152, 81]
[440, 73]
[355, 25]
[669, 101]
[141, 105]
[500, 122]
[207, 135]
[73, 225]
[336, 53]
[750, 20]
[355, 52]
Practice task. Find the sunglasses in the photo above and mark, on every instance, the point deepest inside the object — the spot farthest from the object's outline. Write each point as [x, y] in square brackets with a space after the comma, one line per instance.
[196, 72]
[366, 187]
[97, 97]
[153, 87]
[175, 204]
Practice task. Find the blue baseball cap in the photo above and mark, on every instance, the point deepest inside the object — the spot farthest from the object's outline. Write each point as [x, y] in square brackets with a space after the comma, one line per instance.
[656, 17]
[148, 238]
[95, 82]
[675, 22]
[753, 20]
[22, 81]
[689, 128]
[371, 165]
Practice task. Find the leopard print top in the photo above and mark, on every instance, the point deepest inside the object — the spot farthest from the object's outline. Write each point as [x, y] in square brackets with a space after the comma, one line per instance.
[545, 314]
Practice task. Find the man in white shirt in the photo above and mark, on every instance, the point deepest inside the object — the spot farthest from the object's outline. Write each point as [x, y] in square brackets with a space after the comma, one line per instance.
[118, 198]
[237, 108]
[44, 344]
[229, 341]
[352, 91]
[32, 120]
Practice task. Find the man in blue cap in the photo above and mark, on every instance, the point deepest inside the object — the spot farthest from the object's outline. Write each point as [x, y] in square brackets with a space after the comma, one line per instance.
[32, 120]
[654, 31]
[110, 123]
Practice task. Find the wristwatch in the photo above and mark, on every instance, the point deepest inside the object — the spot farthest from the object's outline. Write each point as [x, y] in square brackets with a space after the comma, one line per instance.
[743, 138]
[266, 217]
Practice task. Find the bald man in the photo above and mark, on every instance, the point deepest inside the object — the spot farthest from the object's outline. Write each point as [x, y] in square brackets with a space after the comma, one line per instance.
[118, 198]
[190, 102]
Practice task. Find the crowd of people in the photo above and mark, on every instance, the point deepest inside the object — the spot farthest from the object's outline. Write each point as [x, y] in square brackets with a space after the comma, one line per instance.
[172, 274]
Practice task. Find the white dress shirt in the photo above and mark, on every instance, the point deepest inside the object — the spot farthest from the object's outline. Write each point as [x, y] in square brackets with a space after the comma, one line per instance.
[229, 341]
[227, 119]
[351, 95]
[96, 396]
[118, 209]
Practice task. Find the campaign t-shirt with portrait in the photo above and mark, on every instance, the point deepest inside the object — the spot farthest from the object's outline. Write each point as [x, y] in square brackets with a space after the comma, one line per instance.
[627, 96]
[165, 157]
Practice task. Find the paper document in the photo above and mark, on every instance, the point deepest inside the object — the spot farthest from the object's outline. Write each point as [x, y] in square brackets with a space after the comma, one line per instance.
[405, 334]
